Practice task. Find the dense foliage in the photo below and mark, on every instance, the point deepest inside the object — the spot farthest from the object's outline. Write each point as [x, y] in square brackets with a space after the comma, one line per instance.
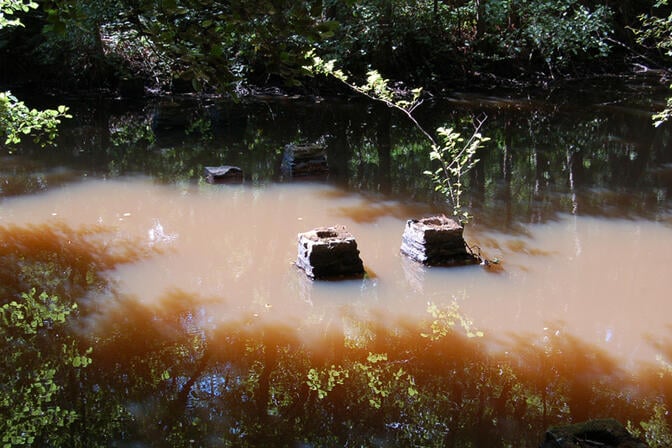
[186, 44]
[16, 119]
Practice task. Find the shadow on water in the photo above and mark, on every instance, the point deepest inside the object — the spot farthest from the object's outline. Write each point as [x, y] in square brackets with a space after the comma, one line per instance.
[256, 383]
[59, 259]
[170, 370]
[204, 334]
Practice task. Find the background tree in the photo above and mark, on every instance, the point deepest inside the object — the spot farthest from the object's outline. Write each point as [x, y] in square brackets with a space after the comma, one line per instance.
[215, 45]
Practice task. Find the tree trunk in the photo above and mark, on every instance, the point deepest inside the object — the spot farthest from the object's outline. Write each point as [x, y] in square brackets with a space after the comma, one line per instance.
[480, 18]
[384, 62]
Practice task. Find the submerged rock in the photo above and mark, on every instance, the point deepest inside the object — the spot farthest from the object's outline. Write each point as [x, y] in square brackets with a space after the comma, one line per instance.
[223, 174]
[305, 159]
[604, 433]
[436, 241]
[329, 252]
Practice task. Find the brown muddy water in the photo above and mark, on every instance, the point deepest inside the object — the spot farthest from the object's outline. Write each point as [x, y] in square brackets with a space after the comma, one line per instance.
[204, 332]
[232, 248]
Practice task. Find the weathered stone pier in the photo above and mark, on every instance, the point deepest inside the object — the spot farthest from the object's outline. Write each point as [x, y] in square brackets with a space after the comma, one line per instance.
[436, 241]
[223, 174]
[329, 252]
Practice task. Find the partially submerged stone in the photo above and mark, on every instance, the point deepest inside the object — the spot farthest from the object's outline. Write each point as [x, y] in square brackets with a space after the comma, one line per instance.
[604, 433]
[436, 241]
[223, 174]
[305, 159]
[329, 252]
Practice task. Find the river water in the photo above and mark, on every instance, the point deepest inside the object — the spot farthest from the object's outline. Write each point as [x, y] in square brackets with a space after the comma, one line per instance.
[571, 197]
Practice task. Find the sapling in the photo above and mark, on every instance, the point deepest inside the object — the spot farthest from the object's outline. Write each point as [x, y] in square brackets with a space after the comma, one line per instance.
[455, 155]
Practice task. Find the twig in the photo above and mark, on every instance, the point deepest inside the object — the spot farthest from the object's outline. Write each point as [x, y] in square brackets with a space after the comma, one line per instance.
[638, 54]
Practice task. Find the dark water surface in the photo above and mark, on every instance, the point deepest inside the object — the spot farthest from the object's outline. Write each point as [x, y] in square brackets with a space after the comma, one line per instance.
[205, 334]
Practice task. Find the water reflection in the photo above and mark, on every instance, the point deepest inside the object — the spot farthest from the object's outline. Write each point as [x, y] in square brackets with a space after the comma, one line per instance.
[216, 338]
[545, 155]
[205, 333]
[601, 279]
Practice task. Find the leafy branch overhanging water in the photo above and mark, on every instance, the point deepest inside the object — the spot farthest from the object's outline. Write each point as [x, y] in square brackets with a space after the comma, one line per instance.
[16, 119]
[455, 155]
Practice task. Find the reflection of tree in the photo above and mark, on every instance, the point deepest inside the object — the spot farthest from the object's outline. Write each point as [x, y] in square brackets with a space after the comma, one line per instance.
[549, 161]
[170, 373]
[543, 157]
[43, 270]
[384, 150]
[252, 383]
[36, 358]
[58, 260]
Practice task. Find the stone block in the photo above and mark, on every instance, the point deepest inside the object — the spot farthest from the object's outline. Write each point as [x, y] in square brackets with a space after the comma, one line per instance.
[329, 252]
[436, 241]
[223, 174]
